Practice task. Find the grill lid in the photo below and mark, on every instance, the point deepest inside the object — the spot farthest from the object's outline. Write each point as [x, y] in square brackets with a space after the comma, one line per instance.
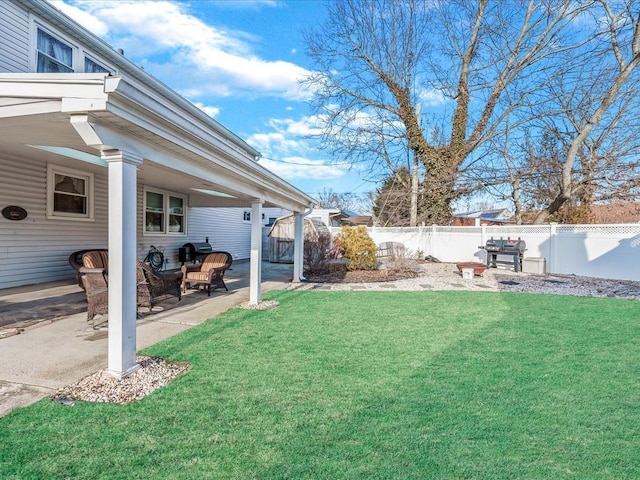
[198, 247]
[501, 245]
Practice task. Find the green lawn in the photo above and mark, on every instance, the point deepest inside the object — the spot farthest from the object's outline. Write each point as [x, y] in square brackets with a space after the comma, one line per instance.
[347, 385]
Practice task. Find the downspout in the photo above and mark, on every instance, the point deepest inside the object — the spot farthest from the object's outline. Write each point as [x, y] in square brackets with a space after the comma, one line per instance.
[298, 245]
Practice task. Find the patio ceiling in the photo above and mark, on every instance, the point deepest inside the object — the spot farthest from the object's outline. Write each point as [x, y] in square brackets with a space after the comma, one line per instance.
[182, 149]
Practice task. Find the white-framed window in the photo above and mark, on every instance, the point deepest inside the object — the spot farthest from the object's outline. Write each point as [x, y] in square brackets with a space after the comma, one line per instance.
[56, 53]
[164, 213]
[53, 54]
[92, 66]
[69, 193]
[246, 215]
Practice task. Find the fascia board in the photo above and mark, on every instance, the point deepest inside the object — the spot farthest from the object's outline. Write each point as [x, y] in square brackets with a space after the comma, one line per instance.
[128, 102]
[161, 120]
[35, 107]
[178, 111]
[232, 181]
[52, 86]
[134, 100]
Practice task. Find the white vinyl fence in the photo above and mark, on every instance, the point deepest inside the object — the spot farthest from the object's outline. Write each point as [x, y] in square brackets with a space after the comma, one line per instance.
[603, 251]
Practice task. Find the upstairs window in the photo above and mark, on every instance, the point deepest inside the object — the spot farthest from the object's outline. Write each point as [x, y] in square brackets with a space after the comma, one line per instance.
[91, 66]
[70, 193]
[164, 213]
[54, 55]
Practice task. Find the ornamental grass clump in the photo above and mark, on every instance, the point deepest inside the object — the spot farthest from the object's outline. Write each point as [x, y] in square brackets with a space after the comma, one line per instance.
[359, 249]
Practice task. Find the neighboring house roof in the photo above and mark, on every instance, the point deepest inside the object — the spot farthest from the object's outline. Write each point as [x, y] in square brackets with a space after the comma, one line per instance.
[344, 217]
[364, 220]
[499, 215]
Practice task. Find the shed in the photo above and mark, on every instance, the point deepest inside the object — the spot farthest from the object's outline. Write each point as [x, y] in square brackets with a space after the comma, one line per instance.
[281, 237]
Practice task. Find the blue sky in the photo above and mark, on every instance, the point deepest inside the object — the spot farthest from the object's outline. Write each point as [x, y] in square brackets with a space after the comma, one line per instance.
[239, 61]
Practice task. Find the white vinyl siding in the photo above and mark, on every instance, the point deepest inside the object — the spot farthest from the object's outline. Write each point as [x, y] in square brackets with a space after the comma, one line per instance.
[225, 229]
[14, 38]
[36, 249]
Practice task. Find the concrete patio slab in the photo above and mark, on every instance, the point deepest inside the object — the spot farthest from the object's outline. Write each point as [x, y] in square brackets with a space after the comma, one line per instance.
[48, 355]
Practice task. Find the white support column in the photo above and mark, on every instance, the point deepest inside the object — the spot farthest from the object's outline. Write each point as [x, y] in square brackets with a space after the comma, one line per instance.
[298, 248]
[122, 262]
[255, 268]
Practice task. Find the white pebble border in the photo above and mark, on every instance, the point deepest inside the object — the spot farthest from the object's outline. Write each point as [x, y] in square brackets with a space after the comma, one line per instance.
[263, 305]
[445, 276]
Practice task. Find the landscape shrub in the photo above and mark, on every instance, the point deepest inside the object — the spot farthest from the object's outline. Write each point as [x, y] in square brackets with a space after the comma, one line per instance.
[336, 251]
[359, 249]
[316, 253]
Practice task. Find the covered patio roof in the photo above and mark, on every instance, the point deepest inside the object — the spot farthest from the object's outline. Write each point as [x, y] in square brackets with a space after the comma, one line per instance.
[182, 149]
[140, 131]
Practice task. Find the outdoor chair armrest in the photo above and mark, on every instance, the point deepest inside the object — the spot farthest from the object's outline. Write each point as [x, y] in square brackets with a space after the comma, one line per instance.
[85, 270]
[215, 272]
[191, 268]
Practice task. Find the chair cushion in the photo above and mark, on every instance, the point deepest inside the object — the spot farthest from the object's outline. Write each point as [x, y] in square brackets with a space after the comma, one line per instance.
[214, 260]
[96, 259]
[197, 276]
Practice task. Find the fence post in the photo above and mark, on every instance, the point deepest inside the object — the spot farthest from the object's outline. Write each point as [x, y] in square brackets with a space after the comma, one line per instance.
[552, 247]
[483, 237]
[434, 242]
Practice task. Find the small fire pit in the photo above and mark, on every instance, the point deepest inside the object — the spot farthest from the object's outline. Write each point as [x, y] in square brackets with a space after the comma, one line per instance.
[478, 268]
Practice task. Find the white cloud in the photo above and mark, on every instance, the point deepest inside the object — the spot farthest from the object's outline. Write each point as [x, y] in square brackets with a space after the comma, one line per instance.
[168, 41]
[284, 136]
[287, 152]
[209, 110]
[85, 19]
[430, 97]
[306, 126]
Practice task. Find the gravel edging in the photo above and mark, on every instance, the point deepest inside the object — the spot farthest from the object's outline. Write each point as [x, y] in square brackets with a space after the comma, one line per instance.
[105, 388]
[445, 276]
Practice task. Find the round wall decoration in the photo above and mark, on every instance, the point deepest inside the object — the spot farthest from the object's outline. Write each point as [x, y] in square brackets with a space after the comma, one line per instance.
[13, 212]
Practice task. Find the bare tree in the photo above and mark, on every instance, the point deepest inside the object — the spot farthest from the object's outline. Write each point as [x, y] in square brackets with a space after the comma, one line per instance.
[393, 204]
[356, 202]
[599, 113]
[376, 60]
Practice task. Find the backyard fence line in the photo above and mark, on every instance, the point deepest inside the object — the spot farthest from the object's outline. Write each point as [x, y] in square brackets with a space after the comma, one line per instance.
[602, 251]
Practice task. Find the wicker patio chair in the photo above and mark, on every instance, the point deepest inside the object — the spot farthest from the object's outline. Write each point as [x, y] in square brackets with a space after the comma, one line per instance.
[76, 261]
[209, 273]
[151, 288]
[94, 283]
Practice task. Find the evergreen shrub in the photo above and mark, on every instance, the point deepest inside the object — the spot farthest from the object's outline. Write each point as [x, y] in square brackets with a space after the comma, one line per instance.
[359, 249]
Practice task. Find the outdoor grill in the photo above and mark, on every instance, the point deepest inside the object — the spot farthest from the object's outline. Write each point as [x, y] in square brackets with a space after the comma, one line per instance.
[192, 252]
[513, 248]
